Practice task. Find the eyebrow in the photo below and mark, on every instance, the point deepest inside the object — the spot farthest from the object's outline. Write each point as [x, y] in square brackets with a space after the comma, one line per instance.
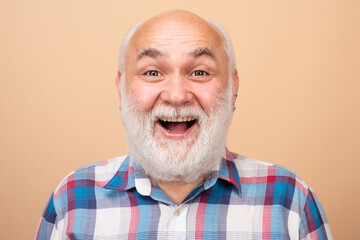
[154, 53]
[202, 51]
[149, 52]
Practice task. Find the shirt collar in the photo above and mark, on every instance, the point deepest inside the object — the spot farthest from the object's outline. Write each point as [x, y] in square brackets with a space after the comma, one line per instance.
[124, 178]
[130, 175]
[228, 170]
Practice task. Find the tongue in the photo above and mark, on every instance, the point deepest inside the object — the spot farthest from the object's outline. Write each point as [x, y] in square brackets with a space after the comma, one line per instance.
[177, 127]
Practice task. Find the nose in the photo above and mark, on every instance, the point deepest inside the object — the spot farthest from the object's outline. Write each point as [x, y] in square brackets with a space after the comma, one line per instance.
[176, 91]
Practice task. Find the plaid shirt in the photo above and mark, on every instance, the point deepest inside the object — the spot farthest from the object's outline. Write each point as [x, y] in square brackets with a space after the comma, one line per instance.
[243, 199]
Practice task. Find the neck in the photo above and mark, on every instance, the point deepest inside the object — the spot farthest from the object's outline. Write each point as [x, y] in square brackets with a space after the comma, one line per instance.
[177, 191]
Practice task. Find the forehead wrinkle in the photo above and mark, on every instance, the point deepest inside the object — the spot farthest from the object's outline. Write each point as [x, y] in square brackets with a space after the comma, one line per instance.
[175, 31]
[160, 35]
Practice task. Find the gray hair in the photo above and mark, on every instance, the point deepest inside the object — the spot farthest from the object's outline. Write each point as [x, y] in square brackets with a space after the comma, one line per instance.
[124, 46]
[220, 29]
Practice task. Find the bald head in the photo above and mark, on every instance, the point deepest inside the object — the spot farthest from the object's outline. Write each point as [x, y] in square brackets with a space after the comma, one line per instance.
[179, 16]
[176, 22]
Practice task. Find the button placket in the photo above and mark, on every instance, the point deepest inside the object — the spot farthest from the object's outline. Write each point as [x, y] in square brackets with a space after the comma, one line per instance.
[178, 225]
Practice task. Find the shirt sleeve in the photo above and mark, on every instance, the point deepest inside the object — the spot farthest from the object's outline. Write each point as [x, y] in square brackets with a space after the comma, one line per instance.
[314, 224]
[47, 225]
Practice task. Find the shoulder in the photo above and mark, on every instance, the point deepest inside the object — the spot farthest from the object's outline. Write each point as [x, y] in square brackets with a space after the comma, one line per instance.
[275, 180]
[249, 167]
[92, 175]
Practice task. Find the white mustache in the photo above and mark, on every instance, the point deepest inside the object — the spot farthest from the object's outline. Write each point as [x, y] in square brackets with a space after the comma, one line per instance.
[177, 114]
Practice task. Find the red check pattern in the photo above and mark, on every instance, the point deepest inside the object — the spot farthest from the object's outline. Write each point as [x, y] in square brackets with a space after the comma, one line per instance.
[243, 199]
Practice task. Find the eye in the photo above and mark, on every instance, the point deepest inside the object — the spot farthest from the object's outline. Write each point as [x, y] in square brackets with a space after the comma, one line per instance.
[199, 73]
[152, 73]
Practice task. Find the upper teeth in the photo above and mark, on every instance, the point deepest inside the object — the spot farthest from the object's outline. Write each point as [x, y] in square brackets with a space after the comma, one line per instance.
[177, 119]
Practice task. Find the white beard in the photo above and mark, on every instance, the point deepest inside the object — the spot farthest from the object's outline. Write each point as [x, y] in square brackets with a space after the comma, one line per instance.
[189, 159]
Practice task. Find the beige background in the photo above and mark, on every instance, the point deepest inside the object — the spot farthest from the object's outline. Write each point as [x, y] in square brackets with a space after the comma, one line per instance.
[298, 105]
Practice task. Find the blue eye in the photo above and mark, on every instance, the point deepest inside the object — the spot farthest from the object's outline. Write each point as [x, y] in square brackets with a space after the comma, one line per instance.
[200, 73]
[152, 73]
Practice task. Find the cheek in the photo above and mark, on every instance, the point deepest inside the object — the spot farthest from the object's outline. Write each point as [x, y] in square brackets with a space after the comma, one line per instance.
[145, 96]
[207, 94]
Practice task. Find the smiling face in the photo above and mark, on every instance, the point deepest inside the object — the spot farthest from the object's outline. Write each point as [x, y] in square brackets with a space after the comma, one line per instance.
[176, 79]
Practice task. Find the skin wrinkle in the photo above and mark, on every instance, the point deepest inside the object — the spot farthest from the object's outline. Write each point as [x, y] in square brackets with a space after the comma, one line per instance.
[160, 61]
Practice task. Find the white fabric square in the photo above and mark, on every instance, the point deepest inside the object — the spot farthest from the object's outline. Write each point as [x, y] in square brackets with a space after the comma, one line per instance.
[112, 221]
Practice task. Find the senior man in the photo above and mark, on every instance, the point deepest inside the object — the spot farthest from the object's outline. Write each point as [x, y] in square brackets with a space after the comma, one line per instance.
[177, 84]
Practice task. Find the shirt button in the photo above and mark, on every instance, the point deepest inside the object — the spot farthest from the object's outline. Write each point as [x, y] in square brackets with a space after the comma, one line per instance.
[177, 212]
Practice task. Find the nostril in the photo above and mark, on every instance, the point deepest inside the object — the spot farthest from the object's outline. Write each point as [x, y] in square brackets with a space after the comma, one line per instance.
[176, 93]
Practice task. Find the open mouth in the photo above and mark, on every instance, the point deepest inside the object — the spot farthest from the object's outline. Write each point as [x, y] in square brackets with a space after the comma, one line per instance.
[177, 125]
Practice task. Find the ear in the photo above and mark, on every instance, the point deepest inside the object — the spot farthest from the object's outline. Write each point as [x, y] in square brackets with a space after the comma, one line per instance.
[235, 78]
[118, 85]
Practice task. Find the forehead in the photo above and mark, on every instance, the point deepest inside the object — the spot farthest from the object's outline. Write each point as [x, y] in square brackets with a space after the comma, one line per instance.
[178, 34]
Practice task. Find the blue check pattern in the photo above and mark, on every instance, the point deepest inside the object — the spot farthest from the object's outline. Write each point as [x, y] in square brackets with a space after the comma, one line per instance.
[243, 199]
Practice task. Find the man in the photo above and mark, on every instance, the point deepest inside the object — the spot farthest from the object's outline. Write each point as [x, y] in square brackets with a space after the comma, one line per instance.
[177, 84]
